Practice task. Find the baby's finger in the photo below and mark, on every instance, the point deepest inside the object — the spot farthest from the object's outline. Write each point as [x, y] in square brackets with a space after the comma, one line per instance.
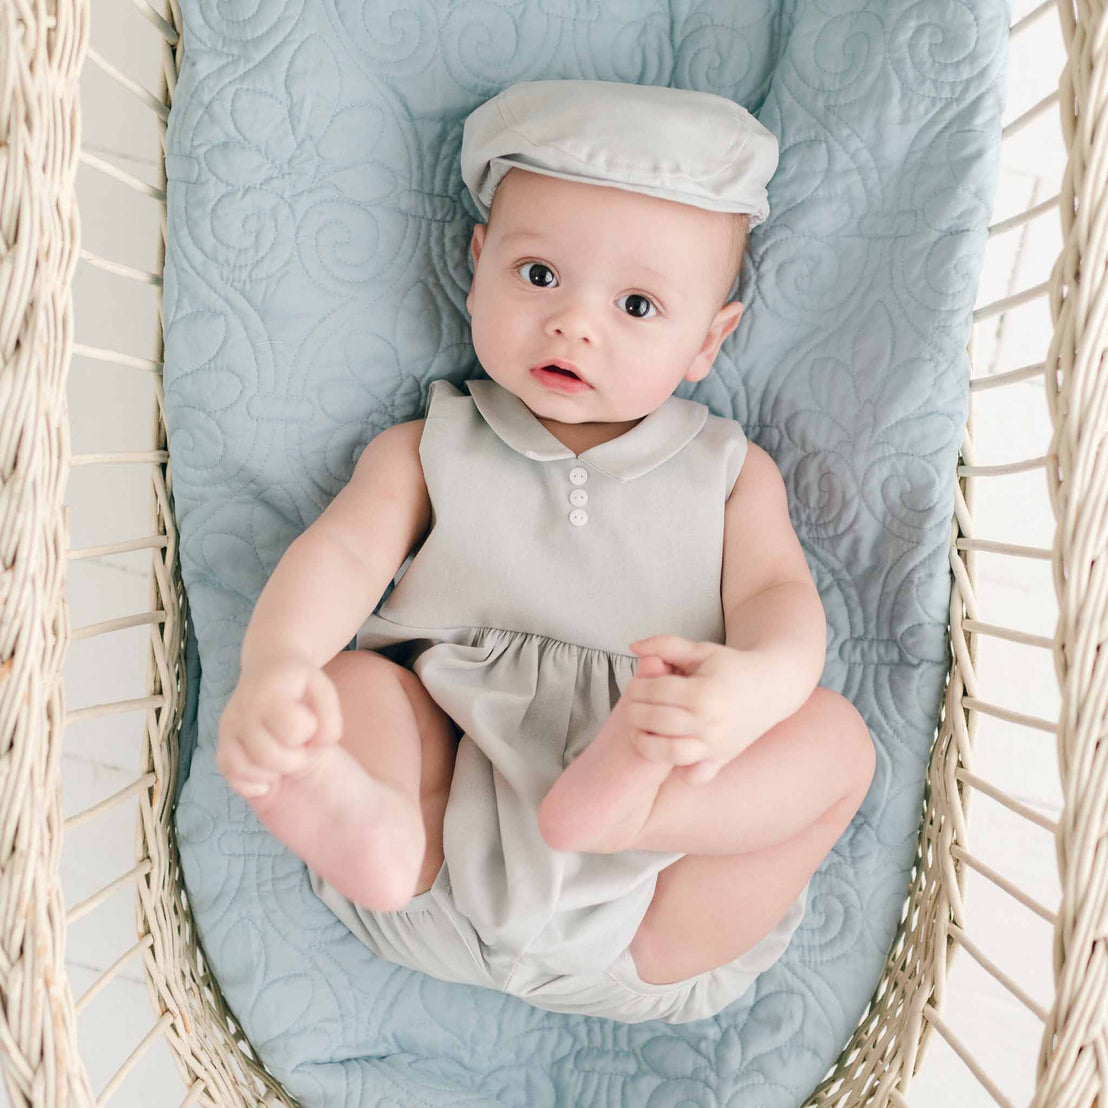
[322, 696]
[675, 689]
[700, 773]
[291, 723]
[265, 752]
[248, 789]
[679, 751]
[242, 777]
[661, 719]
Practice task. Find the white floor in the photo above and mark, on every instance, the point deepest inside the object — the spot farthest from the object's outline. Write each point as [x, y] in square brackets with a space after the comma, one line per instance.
[102, 756]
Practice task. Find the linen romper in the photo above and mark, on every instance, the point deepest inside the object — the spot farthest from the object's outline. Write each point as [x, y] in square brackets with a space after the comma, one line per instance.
[516, 612]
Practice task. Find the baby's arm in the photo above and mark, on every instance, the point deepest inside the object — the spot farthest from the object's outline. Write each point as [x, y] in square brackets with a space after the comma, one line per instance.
[775, 637]
[331, 576]
[771, 606]
[329, 579]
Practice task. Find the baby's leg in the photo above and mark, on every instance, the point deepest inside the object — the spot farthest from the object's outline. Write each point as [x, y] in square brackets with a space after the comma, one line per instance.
[367, 814]
[709, 908]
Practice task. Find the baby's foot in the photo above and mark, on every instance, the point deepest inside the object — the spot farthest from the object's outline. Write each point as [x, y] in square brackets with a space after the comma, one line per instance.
[605, 795]
[362, 835]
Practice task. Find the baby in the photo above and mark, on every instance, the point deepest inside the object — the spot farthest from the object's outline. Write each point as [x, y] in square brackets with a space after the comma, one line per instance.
[580, 754]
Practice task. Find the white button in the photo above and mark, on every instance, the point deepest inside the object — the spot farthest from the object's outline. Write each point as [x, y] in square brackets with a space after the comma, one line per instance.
[578, 518]
[578, 497]
[578, 475]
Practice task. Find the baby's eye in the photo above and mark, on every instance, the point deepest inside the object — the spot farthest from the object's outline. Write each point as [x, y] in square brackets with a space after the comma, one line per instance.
[640, 304]
[528, 271]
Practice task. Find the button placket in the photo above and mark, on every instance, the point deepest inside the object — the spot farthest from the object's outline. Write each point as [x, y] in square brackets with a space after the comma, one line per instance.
[578, 476]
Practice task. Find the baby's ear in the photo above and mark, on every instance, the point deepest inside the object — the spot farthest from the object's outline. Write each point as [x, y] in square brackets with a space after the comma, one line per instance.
[477, 242]
[737, 308]
[725, 321]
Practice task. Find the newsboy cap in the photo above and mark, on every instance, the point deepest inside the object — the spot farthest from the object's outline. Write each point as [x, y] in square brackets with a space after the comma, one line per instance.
[692, 147]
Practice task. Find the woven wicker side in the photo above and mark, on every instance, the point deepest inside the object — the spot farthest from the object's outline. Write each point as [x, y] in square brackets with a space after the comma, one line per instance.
[40, 63]
[41, 56]
[1073, 1057]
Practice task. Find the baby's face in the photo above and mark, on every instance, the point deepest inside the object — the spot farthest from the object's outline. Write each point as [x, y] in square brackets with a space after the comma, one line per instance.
[626, 287]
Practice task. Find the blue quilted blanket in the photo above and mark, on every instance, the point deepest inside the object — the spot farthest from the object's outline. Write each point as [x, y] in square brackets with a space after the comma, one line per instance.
[315, 281]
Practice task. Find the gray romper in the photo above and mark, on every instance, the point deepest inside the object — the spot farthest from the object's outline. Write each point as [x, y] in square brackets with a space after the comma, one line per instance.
[516, 612]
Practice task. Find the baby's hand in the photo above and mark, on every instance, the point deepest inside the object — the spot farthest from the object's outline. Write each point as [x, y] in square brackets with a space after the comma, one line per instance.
[693, 715]
[275, 723]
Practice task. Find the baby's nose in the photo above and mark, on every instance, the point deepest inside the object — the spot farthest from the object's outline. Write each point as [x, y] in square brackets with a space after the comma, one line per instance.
[573, 323]
[577, 334]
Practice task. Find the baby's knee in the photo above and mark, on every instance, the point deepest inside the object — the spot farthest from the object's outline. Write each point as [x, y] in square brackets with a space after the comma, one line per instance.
[355, 663]
[864, 753]
[858, 752]
[360, 675]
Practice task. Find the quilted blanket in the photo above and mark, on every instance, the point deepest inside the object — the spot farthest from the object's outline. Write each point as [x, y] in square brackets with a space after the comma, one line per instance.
[315, 281]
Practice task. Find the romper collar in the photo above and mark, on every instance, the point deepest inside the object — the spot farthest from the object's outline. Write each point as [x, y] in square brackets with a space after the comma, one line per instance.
[652, 441]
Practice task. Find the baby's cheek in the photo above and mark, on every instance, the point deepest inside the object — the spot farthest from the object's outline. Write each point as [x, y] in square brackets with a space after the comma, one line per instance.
[493, 334]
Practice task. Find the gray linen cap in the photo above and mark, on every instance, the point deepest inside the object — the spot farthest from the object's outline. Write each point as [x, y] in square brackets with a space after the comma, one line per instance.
[693, 147]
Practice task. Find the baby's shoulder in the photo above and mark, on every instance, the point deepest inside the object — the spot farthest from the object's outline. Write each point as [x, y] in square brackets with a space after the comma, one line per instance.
[394, 451]
[400, 436]
[759, 476]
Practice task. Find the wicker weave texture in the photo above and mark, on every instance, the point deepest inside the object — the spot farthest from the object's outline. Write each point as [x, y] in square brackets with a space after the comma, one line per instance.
[40, 134]
[1073, 1057]
[41, 54]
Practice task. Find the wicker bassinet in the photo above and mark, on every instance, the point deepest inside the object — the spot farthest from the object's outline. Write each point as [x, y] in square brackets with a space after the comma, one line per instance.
[42, 49]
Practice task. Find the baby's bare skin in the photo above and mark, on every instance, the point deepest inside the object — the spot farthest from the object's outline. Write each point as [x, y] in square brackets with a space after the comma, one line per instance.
[353, 754]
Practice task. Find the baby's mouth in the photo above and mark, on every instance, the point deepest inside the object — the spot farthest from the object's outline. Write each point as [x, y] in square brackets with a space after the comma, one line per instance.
[566, 369]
